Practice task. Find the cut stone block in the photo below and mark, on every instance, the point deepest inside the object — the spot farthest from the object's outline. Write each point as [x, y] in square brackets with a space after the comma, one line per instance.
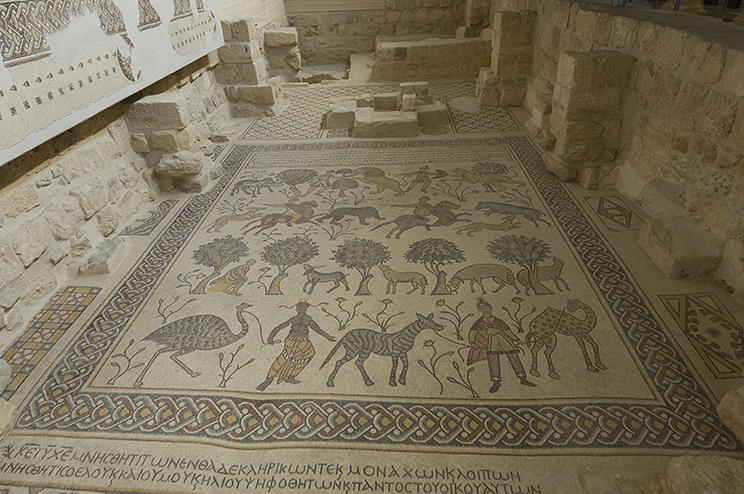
[365, 101]
[710, 474]
[731, 412]
[408, 102]
[184, 163]
[418, 88]
[433, 115]
[108, 220]
[106, 258]
[139, 143]
[341, 114]
[277, 38]
[575, 130]
[239, 53]
[158, 112]
[486, 87]
[10, 266]
[679, 247]
[93, 194]
[386, 102]
[371, 124]
[18, 200]
[512, 96]
[163, 140]
[28, 241]
[64, 215]
[34, 284]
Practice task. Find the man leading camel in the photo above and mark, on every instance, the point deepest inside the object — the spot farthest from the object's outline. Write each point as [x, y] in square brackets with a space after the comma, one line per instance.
[490, 337]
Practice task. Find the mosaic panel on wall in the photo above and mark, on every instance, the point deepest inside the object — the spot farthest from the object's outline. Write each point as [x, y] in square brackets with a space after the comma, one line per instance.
[63, 61]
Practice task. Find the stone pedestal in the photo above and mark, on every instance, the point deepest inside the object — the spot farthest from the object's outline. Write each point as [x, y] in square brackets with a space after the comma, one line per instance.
[585, 109]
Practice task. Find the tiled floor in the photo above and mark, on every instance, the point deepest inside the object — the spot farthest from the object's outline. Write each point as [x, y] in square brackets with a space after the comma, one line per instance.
[220, 358]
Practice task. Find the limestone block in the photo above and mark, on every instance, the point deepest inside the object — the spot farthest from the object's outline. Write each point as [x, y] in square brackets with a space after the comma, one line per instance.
[238, 52]
[14, 319]
[504, 22]
[226, 73]
[728, 157]
[63, 216]
[243, 30]
[657, 138]
[586, 103]
[386, 102]
[341, 114]
[294, 59]
[512, 96]
[710, 474]
[127, 175]
[731, 412]
[602, 29]
[277, 38]
[186, 138]
[713, 65]
[599, 69]
[420, 89]
[254, 73]
[105, 258]
[92, 195]
[667, 44]
[432, 115]
[734, 80]
[10, 266]
[158, 112]
[163, 140]
[56, 254]
[257, 95]
[365, 101]
[108, 220]
[139, 143]
[559, 169]
[370, 124]
[575, 130]
[589, 178]
[18, 200]
[486, 88]
[679, 247]
[624, 32]
[408, 102]
[28, 241]
[611, 132]
[79, 246]
[130, 204]
[34, 284]
[715, 118]
[577, 152]
[180, 164]
[115, 189]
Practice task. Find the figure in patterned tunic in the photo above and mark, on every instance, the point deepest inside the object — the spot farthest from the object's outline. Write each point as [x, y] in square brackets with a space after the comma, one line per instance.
[490, 337]
[298, 351]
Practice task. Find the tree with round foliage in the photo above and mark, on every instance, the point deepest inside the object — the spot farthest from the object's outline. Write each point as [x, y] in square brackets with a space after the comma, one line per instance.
[434, 253]
[295, 177]
[217, 254]
[361, 254]
[525, 251]
[284, 254]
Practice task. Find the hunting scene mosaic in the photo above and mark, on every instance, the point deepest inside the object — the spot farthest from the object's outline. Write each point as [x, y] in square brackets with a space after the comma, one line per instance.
[437, 294]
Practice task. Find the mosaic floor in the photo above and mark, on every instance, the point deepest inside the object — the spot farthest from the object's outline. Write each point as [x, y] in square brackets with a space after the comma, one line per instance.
[410, 315]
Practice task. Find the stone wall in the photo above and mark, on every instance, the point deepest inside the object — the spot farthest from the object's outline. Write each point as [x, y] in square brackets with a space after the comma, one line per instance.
[63, 199]
[331, 37]
[676, 137]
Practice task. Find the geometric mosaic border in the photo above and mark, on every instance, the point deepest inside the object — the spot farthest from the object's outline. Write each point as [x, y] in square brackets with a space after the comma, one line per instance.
[44, 330]
[686, 420]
